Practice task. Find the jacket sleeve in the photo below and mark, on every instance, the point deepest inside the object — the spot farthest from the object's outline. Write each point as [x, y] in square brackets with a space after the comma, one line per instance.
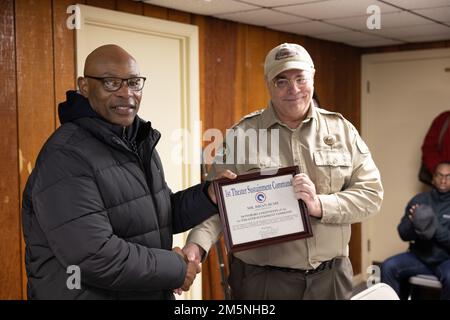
[71, 213]
[208, 232]
[191, 207]
[406, 229]
[431, 156]
[362, 196]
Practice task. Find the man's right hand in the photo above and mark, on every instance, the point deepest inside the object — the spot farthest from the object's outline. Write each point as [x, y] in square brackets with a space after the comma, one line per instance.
[305, 189]
[191, 270]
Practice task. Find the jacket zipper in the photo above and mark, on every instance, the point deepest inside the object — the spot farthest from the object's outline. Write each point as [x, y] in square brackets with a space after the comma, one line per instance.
[141, 165]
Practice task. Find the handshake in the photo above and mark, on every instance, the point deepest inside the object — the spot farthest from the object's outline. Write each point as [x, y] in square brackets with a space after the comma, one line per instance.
[191, 254]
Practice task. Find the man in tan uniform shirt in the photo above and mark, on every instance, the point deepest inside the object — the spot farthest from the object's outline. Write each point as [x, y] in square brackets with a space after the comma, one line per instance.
[339, 184]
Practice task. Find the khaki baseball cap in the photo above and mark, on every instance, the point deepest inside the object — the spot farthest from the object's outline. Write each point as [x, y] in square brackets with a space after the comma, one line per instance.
[287, 56]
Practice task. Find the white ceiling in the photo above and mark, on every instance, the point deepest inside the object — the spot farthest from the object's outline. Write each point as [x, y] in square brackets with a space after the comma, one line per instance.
[402, 21]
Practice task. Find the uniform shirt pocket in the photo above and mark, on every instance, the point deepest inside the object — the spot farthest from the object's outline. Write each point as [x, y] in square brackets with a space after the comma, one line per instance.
[332, 169]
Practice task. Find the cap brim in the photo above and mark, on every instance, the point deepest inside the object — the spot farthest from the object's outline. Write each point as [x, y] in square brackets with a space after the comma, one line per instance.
[300, 65]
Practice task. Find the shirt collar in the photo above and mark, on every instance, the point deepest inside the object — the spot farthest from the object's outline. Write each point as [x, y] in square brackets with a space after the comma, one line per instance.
[269, 117]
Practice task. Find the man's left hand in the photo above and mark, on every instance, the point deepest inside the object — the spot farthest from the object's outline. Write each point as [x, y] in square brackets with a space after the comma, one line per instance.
[305, 189]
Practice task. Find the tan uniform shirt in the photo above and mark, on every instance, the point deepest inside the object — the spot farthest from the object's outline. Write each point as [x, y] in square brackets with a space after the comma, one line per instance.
[330, 151]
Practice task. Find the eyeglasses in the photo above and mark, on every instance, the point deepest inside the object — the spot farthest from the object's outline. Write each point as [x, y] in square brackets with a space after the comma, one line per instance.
[299, 82]
[112, 84]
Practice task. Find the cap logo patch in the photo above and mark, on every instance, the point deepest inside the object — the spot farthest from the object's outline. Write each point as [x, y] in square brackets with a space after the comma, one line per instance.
[285, 53]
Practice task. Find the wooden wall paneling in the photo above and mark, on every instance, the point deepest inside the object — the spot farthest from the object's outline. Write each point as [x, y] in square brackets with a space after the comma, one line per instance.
[130, 6]
[155, 11]
[225, 261]
[240, 88]
[293, 38]
[106, 4]
[207, 271]
[220, 52]
[348, 95]
[10, 240]
[323, 54]
[312, 46]
[220, 43]
[347, 83]
[256, 52]
[178, 16]
[210, 268]
[199, 21]
[218, 287]
[35, 83]
[271, 40]
[212, 285]
[211, 288]
[355, 246]
[355, 97]
[64, 53]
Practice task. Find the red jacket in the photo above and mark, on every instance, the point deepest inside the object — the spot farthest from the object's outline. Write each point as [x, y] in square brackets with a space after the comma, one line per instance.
[432, 155]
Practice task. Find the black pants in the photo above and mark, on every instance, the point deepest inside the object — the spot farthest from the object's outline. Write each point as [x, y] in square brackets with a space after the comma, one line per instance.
[261, 283]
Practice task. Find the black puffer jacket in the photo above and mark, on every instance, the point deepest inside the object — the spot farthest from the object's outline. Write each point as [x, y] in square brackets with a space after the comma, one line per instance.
[97, 199]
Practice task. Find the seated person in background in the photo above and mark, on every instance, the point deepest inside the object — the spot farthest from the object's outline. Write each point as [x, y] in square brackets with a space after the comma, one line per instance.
[426, 225]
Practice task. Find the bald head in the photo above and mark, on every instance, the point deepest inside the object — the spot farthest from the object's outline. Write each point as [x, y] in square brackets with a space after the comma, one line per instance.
[108, 64]
[104, 60]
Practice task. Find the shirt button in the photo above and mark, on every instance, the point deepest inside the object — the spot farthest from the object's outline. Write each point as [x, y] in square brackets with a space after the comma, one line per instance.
[329, 140]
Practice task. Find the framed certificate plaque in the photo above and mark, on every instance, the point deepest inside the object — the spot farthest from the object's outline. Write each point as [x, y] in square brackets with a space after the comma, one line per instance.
[258, 209]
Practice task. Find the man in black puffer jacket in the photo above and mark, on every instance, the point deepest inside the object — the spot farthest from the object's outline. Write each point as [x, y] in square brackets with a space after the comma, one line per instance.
[97, 202]
[426, 225]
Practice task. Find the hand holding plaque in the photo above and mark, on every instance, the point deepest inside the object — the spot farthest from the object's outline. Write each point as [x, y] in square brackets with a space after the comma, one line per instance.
[260, 209]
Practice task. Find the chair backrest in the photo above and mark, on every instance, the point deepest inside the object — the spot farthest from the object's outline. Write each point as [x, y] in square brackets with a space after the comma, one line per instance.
[379, 291]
